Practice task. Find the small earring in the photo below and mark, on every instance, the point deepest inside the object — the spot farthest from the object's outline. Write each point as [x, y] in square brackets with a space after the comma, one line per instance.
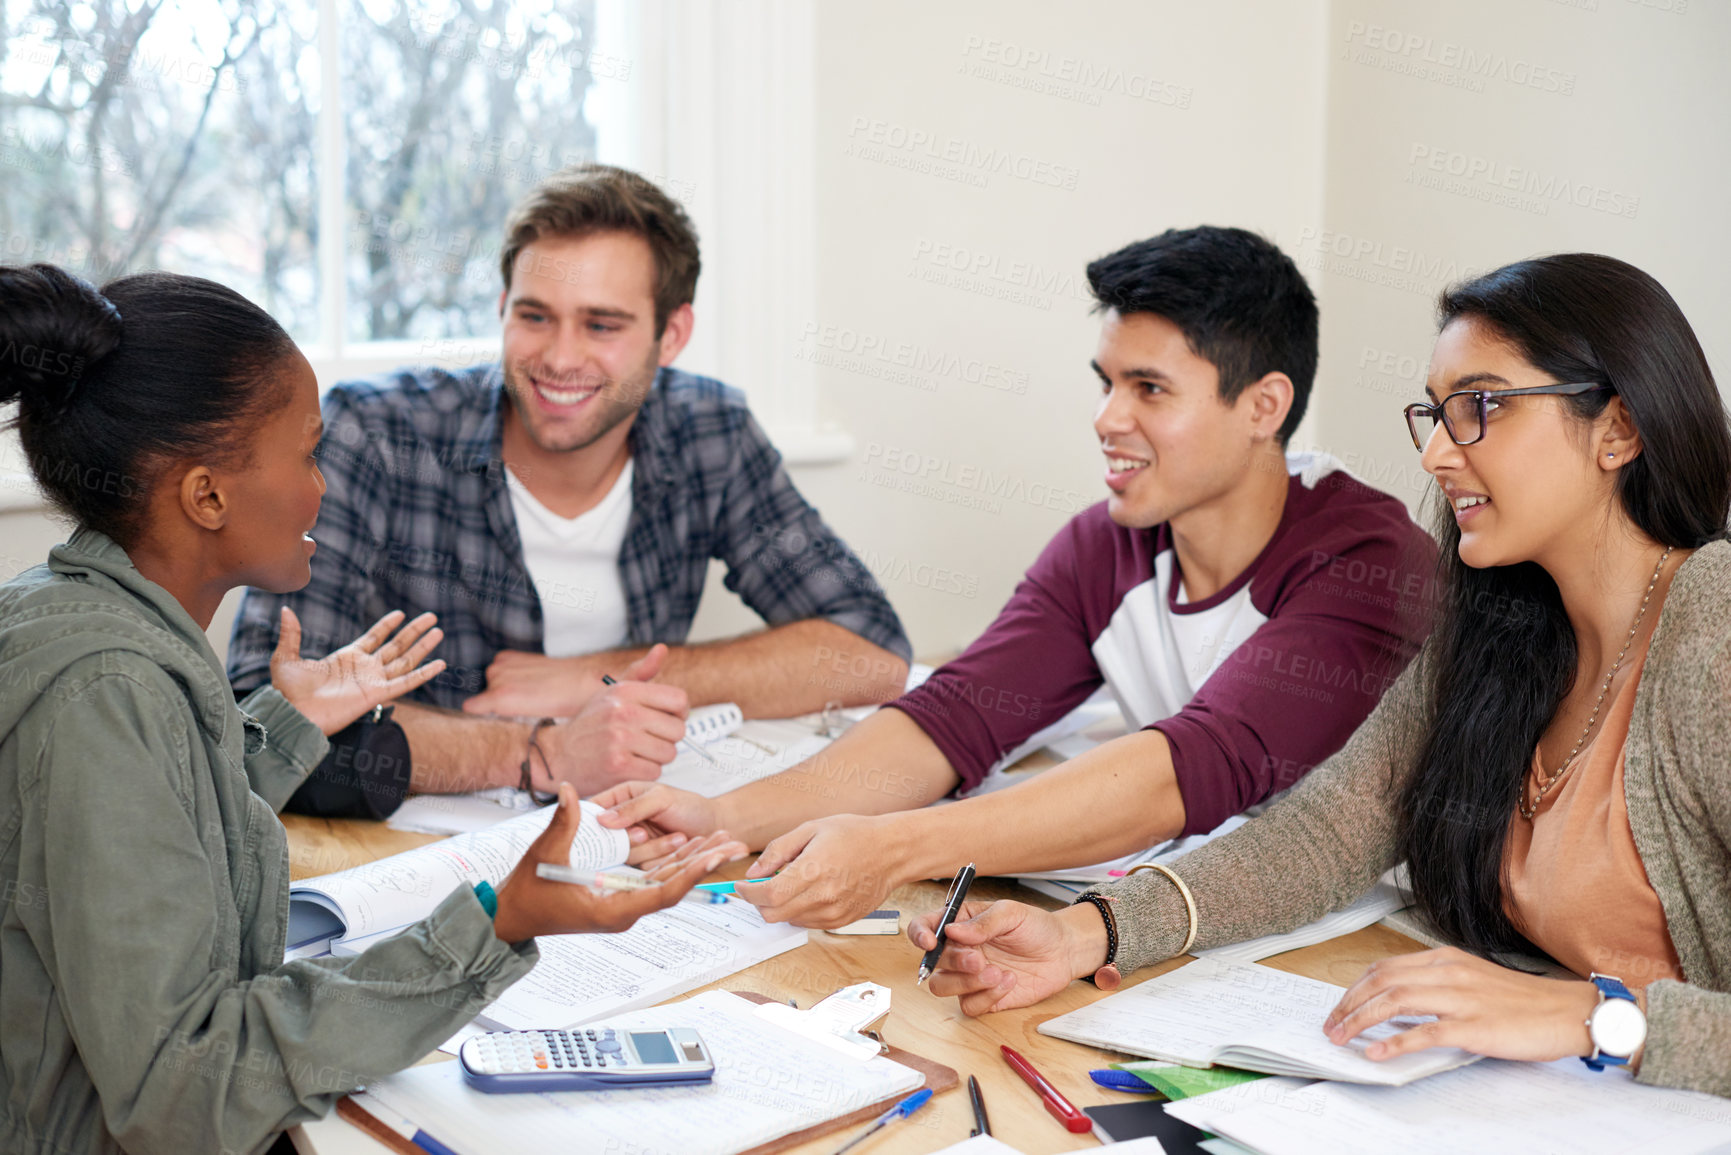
[1612, 455]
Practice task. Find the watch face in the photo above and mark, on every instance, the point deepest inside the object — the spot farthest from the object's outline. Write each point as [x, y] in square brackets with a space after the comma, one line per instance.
[1618, 1027]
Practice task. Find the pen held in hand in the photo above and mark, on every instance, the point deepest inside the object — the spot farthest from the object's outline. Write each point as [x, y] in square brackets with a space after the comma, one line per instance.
[952, 906]
[610, 680]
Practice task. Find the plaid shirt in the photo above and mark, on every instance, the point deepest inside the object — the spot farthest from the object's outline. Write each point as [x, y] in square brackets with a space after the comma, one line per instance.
[417, 517]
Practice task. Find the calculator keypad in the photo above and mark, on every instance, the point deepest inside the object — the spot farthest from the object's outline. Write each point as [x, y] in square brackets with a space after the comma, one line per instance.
[529, 1052]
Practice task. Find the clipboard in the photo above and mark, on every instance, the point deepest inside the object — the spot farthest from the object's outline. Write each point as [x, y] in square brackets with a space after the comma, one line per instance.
[939, 1079]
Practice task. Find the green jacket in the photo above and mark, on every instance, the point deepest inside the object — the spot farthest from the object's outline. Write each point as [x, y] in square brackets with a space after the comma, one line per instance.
[144, 1001]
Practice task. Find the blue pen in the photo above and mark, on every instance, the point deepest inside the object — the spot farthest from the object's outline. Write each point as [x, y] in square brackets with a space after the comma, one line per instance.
[900, 1111]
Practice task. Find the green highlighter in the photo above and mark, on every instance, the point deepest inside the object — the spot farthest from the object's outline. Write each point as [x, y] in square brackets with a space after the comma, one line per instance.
[1176, 1082]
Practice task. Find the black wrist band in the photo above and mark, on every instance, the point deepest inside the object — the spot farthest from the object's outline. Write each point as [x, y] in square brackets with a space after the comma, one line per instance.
[528, 782]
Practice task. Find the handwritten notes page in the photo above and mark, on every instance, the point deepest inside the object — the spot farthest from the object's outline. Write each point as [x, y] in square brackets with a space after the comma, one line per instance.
[768, 1083]
[1242, 1015]
[583, 976]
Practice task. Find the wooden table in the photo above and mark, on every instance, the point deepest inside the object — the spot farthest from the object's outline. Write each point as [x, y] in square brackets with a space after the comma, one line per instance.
[919, 1022]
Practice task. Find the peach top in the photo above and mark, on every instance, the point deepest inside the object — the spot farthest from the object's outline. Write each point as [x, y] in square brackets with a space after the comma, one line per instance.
[1576, 887]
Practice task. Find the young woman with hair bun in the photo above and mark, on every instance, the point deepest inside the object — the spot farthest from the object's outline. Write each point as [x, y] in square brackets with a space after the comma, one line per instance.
[144, 1002]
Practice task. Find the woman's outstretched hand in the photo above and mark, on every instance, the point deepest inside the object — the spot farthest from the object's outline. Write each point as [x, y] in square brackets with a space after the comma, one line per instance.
[379, 666]
[530, 905]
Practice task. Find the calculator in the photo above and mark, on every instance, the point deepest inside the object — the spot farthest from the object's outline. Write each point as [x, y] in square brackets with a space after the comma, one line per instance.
[595, 1058]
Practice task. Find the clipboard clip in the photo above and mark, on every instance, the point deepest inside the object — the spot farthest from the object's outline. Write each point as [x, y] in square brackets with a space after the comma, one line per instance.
[842, 1021]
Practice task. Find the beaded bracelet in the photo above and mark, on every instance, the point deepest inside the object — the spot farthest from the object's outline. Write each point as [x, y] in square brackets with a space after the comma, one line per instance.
[1104, 905]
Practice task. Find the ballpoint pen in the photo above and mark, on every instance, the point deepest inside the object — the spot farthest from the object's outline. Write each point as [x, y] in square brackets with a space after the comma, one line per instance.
[610, 680]
[982, 1125]
[952, 905]
[900, 1111]
[1060, 1108]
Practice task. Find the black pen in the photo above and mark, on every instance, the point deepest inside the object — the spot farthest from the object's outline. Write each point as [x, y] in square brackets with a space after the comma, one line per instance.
[610, 680]
[982, 1125]
[952, 906]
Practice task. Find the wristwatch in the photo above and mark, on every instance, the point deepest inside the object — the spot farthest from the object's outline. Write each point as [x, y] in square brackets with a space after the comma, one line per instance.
[1616, 1026]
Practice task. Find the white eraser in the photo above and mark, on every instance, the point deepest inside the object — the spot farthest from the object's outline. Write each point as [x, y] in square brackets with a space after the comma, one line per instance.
[877, 922]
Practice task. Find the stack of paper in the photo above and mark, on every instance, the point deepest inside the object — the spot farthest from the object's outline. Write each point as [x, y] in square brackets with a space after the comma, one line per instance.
[1492, 1106]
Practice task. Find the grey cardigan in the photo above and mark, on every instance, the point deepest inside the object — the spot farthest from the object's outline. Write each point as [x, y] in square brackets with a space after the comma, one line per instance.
[144, 1001]
[1325, 844]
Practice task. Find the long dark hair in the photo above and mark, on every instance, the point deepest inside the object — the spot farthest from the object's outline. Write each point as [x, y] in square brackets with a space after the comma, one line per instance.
[112, 385]
[1503, 653]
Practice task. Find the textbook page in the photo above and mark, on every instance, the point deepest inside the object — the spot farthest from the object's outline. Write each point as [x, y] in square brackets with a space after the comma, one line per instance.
[769, 1082]
[396, 891]
[582, 977]
[1490, 1106]
[1242, 1015]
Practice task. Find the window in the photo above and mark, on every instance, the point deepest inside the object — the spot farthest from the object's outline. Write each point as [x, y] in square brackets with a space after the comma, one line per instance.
[347, 165]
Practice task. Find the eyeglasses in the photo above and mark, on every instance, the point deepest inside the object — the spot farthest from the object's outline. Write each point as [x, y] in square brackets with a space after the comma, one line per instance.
[1463, 413]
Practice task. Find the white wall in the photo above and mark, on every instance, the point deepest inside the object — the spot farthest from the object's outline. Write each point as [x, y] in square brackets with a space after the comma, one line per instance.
[1165, 115]
[1624, 108]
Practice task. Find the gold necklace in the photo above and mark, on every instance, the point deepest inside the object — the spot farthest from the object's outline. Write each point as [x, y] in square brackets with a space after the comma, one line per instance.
[1545, 788]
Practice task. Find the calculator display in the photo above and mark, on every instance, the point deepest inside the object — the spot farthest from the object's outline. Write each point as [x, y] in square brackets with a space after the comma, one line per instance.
[654, 1047]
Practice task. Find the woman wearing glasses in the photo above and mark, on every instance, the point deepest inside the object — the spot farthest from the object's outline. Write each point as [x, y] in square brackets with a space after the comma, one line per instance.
[1552, 767]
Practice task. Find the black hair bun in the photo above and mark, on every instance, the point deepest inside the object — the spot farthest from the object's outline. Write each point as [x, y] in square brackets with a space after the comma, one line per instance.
[53, 327]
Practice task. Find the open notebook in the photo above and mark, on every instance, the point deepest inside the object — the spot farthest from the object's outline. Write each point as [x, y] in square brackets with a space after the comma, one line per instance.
[1234, 1014]
[579, 976]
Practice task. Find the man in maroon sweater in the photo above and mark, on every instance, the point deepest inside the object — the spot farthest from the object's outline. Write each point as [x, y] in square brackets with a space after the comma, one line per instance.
[1246, 608]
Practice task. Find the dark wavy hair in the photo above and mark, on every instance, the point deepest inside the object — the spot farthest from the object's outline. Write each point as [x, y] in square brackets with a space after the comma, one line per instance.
[113, 385]
[1240, 302]
[1503, 653]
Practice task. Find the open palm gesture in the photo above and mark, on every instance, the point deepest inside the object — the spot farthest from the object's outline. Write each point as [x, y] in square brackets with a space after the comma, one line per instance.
[375, 668]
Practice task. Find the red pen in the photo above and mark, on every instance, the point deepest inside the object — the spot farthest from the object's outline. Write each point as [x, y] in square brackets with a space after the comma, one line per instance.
[1061, 1108]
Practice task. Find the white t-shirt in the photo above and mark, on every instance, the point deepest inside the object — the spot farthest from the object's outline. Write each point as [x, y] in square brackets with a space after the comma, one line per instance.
[574, 563]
